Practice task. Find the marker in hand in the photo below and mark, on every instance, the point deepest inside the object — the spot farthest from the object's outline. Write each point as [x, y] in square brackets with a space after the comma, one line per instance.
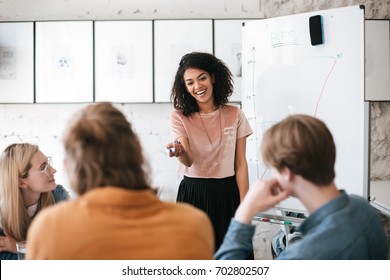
[172, 150]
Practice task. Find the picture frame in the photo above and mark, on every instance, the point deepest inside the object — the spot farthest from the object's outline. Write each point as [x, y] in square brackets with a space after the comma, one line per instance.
[124, 61]
[17, 62]
[227, 47]
[173, 39]
[64, 62]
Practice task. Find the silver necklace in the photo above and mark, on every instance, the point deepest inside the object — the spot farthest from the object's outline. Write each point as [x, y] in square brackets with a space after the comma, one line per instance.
[205, 130]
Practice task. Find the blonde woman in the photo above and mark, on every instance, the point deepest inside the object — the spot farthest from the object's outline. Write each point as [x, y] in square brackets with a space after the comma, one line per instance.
[27, 185]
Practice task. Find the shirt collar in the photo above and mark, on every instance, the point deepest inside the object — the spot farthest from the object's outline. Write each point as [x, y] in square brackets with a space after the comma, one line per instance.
[320, 214]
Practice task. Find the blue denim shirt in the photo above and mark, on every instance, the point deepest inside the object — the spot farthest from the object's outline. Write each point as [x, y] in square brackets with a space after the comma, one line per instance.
[345, 228]
[59, 194]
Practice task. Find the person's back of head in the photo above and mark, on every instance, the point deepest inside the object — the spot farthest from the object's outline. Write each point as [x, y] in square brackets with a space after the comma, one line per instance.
[101, 149]
[15, 164]
[303, 144]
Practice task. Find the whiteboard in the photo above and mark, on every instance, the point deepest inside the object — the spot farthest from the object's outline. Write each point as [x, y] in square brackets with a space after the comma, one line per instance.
[283, 73]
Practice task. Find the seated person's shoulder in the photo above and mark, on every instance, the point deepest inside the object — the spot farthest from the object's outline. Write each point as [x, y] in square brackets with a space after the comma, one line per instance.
[188, 211]
[360, 202]
[60, 193]
[7, 255]
[363, 210]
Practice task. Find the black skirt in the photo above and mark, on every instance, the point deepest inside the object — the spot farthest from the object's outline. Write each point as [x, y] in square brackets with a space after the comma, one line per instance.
[219, 198]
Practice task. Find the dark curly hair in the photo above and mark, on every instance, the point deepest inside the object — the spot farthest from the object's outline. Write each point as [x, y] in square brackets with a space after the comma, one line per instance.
[223, 85]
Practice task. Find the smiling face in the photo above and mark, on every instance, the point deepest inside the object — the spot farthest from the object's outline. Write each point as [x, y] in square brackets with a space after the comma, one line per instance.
[199, 84]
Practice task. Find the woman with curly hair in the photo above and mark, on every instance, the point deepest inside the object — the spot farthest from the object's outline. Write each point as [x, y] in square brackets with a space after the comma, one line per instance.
[209, 139]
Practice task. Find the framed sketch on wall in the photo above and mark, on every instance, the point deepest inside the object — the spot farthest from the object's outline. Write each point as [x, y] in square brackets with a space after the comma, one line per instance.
[172, 40]
[64, 61]
[16, 62]
[227, 47]
[124, 61]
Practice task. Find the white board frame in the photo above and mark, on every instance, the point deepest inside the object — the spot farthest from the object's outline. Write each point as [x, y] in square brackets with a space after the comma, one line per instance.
[274, 44]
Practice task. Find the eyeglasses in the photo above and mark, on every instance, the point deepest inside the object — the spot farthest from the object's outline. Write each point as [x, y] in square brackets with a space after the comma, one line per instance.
[47, 168]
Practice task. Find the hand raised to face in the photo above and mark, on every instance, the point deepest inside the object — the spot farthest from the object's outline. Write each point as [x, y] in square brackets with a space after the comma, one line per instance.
[261, 196]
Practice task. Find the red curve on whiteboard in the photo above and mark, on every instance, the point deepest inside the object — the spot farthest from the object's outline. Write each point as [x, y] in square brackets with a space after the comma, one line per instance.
[318, 102]
[323, 87]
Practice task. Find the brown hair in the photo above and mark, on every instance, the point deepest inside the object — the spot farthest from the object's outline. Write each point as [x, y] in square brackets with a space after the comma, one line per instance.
[305, 145]
[101, 149]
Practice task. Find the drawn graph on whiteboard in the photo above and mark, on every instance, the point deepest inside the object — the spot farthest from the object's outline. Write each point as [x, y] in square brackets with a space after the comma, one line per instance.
[264, 94]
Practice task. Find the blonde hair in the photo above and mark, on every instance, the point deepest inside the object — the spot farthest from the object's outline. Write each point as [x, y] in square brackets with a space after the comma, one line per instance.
[101, 149]
[15, 163]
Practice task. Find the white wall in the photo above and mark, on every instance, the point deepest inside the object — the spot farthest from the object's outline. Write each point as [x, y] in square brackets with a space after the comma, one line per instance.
[27, 10]
[23, 10]
[31, 10]
[43, 124]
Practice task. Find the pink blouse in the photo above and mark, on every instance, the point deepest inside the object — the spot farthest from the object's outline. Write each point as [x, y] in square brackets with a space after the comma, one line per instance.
[212, 138]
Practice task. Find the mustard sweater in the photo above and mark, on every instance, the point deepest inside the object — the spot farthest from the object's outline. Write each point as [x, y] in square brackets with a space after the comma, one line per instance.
[113, 223]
